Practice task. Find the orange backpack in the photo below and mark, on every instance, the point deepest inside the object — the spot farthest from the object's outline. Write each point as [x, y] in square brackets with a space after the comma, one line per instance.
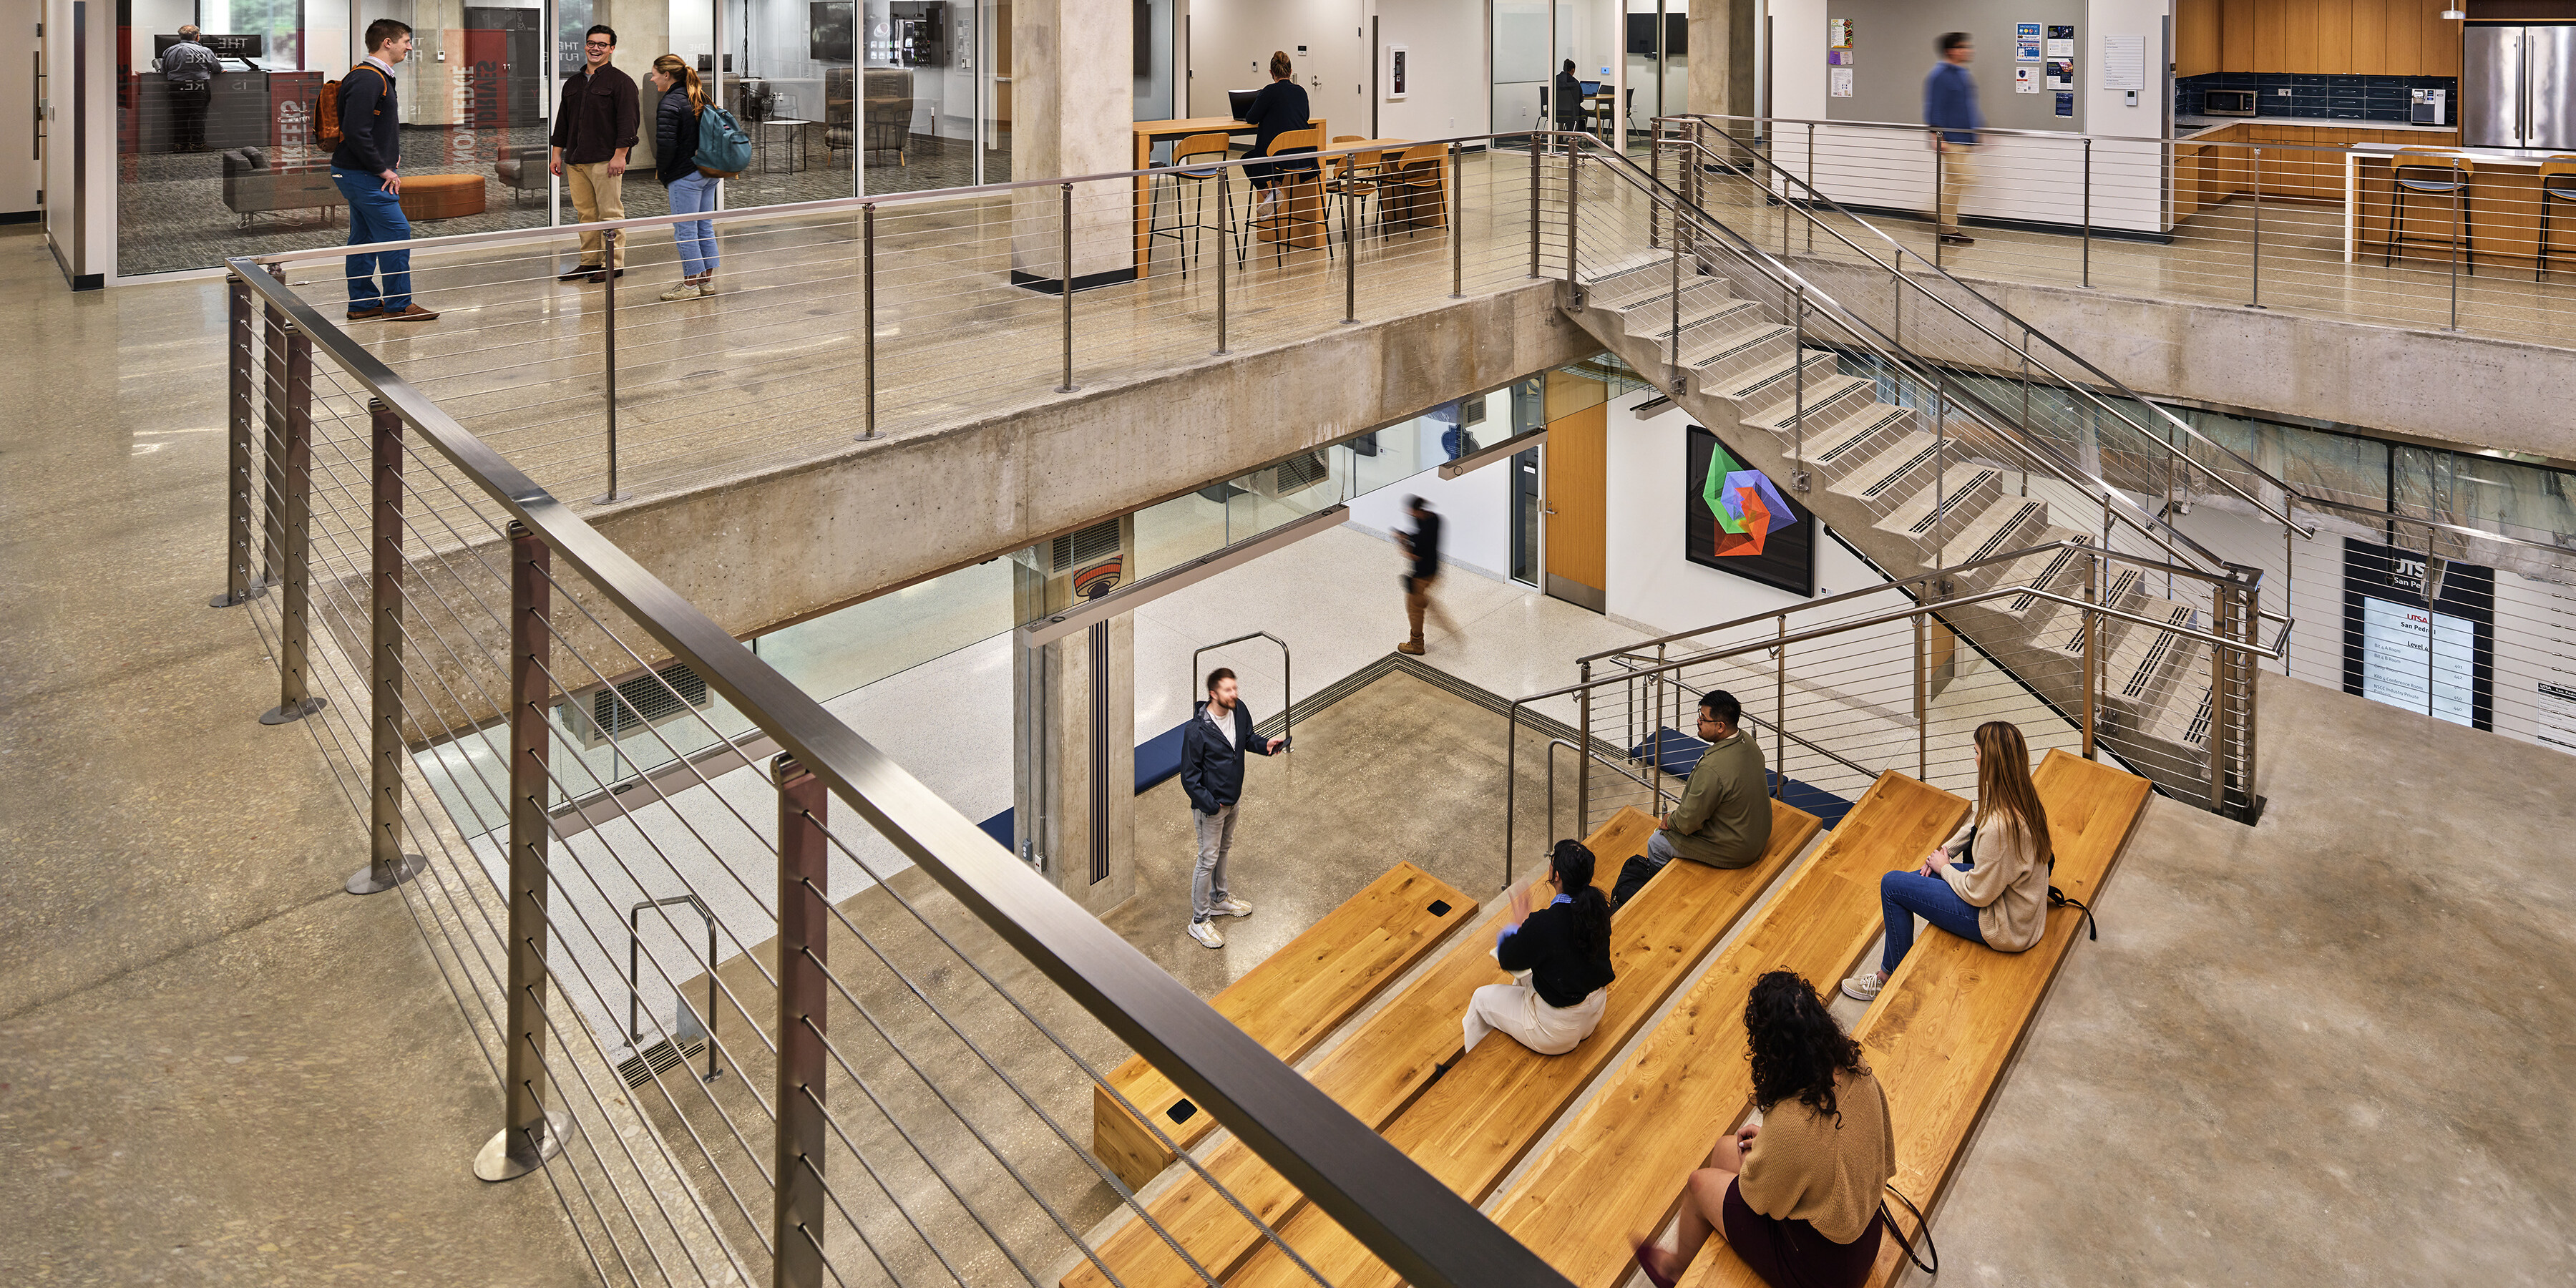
[328, 110]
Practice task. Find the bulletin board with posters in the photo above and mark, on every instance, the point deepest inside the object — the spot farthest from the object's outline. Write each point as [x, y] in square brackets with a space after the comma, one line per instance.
[1892, 50]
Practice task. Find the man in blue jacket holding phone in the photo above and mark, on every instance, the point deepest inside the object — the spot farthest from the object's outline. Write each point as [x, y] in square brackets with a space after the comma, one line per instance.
[1212, 748]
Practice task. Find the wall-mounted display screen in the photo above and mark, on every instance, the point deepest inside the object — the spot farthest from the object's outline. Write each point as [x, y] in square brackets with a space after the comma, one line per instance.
[2435, 656]
[1737, 519]
[828, 39]
[1641, 34]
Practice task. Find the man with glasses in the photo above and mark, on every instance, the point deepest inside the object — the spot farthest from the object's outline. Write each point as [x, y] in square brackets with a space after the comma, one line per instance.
[594, 126]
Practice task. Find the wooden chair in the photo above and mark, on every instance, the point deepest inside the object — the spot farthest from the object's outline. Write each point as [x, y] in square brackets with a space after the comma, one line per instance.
[2557, 183]
[1299, 203]
[1419, 182]
[2433, 172]
[1356, 177]
[1170, 176]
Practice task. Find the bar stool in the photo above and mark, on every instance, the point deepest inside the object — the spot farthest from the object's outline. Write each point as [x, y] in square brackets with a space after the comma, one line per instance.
[1283, 221]
[2557, 183]
[2434, 173]
[1169, 177]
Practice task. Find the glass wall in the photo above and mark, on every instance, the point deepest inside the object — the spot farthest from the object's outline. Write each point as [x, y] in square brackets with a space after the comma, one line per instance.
[1658, 54]
[841, 96]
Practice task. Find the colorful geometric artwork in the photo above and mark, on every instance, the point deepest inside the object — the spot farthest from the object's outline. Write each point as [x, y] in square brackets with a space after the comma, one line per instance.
[1744, 503]
[1737, 520]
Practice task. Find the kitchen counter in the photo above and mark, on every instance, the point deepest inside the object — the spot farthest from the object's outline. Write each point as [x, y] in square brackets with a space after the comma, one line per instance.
[2503, 203]
[2192, 127]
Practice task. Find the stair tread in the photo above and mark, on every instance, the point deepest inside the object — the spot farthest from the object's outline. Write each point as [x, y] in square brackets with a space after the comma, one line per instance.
[1882, 473]
[1958, 495]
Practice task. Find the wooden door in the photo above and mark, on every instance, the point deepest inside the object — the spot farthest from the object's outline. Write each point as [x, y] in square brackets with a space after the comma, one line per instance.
[1577, 497]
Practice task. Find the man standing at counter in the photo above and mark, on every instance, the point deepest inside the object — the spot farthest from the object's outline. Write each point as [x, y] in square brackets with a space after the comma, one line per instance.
[190, 68]
[594, 126]
[1950, 108]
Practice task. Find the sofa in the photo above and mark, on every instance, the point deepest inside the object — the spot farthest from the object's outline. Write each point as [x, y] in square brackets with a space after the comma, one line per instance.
[252, 187]
[523, 169]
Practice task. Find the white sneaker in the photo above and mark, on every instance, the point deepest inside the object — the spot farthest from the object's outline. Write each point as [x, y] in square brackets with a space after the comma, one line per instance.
[1229, 907]
[683, 291]
[1207, 934]
[1863, 986]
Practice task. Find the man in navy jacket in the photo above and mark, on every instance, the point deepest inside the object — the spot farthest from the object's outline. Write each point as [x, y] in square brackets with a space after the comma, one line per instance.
[1950, 110]
[363, 168]
[1212, 748]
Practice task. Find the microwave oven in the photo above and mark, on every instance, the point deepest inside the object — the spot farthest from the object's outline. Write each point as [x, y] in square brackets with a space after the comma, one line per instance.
[2227, 102]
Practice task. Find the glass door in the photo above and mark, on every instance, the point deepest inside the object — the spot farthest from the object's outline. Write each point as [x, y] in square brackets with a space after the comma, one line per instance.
[1658, 54]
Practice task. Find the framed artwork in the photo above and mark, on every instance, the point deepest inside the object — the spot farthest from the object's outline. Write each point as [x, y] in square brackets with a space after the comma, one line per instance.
[1735, 519]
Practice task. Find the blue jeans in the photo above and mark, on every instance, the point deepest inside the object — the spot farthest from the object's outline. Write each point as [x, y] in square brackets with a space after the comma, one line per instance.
[1901, 895]
[691, 195]
[375, 215]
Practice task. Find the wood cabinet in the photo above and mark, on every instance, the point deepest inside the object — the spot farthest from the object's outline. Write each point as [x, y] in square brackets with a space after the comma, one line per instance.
[2319, 37]
[2306, 165]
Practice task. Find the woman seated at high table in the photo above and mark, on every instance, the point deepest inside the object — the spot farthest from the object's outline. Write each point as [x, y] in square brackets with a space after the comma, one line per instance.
[1987, 884]
[1280, 108]
[1797, 1194]
[1559, 957]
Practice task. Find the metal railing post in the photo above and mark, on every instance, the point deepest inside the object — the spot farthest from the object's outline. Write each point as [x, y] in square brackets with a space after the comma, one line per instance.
[803, 957]
[1065, 283]
[294, 529]
[238, 586]
[1573, 198]
[1350, 263]
[608, 324]
[2459, 230]
[1675, 361]
[868, 307]
[1536, 182]
[1940, 176]
[1224, 252]
[1655, 213]
[387, 865]
[1811, 184]
[1583, 780]
[272, 550]
[529, 1134]
[1798, 383]
[2256, 277]
[2088, 211]
[1780, 707]
[2092, 623]
[1922, 709]
[1457, 222]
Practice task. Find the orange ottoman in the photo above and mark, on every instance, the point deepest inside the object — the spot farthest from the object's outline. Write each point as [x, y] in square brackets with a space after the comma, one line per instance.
[441, 196]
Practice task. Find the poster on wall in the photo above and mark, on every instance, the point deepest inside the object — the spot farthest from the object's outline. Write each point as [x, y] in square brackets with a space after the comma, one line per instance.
[2555, 723]
[2433, 656]
[2025, 80]
[1838, 33]
[1839, 81]
[1396, 72]
[2025, 42]
[1736, 519]
[2061, 73]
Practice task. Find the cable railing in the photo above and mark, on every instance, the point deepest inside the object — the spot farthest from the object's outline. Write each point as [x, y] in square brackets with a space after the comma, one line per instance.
[1896, 677]
[868, 1111]
[2254, 214]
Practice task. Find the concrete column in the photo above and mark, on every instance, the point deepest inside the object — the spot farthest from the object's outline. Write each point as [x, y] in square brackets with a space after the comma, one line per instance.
[1072, 100]
[1073, 721]
[643, 34]
[1721, 56]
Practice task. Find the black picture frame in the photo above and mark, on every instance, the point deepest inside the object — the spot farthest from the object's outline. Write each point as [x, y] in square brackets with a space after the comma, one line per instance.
[2397, 576]
[1788, 558]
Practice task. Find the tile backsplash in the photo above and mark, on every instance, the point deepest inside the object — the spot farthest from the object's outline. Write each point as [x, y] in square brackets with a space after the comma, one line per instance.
[2318, 97]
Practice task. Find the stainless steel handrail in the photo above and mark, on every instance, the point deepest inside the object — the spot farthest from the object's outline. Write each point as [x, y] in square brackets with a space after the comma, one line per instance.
[634, 940]
[1760, 723]
[2028, 330]
[1287, 677]
[1419, 1227]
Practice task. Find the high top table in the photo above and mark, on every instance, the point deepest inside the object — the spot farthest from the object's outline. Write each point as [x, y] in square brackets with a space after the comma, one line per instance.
[1149, 133]
[2504, 203]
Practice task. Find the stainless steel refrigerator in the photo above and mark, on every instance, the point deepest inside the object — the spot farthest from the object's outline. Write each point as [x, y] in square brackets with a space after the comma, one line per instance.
[2518, 86]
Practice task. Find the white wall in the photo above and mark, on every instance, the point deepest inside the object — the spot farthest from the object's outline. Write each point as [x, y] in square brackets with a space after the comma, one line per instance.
[1445, 42]
[98, 220]
[1652, 581]
[1231, 43]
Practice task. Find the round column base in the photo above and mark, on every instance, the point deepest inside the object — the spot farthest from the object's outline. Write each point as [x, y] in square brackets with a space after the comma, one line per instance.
[507, 1156]
[365, 880]
[279, 715]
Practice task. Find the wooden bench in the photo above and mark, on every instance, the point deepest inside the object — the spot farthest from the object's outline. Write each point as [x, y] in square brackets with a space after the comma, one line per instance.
[1287, 1004]
[1374, 1073]
[1617, 1171]
[1472, 1127]
[1941, 1031]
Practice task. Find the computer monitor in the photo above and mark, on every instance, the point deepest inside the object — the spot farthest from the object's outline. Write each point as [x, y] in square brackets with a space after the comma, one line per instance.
[1239, 101]
[1591, 87]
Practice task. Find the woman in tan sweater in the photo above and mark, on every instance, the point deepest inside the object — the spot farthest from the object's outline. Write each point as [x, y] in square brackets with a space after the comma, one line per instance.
[1796, 1194]
[1996, 892]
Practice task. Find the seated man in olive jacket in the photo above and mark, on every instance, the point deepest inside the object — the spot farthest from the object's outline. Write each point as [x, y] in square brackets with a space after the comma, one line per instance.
[1724, 817]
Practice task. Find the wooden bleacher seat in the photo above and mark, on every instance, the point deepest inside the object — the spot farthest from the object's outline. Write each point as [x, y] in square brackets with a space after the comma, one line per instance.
[1617, 1171]
[1941, 1031]
[1288, 1003]
[1374, 1073]
[1473, 1126]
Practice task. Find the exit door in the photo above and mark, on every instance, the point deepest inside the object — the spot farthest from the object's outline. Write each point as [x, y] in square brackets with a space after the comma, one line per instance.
[1576, 465]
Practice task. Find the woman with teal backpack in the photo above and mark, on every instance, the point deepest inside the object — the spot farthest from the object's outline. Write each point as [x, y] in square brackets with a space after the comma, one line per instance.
[692, 186]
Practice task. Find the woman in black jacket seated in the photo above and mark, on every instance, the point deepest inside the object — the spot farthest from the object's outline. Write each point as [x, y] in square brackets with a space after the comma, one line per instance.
[1559, 957]
[1280, 108]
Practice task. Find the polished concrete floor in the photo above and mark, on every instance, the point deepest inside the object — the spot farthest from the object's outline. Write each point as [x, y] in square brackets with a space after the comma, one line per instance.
[215, 1067]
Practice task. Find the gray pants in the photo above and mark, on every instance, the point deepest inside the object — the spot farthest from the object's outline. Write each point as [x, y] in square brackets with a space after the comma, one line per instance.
[1216, 837]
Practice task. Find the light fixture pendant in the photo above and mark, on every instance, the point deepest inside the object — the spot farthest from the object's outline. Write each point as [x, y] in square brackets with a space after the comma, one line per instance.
[2454, 15]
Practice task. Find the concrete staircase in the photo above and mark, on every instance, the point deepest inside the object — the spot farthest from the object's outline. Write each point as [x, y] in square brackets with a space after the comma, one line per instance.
[1913, 502]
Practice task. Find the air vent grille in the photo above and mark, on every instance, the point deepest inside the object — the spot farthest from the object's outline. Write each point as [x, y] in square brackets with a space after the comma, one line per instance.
[648, 699]
[1084, 548]
[1304, 470]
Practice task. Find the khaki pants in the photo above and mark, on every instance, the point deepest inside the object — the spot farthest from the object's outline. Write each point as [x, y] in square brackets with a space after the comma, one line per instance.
[1516, 1009]
[1957, 172]
[596, 195]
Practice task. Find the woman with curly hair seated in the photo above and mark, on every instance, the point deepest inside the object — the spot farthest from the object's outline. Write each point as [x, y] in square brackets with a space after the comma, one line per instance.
[1796, 1195]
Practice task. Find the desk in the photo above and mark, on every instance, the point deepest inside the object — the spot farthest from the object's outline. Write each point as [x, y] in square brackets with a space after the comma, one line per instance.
[2504, 204]
[1149, 133]
[795, 140]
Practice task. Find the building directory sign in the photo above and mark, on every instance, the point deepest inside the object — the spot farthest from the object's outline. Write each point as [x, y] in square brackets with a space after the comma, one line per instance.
[2434, 655]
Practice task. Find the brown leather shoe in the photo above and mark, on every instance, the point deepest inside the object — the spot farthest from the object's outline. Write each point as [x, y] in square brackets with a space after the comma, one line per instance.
[411, 313]
[1410, 648]
[361, 315]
